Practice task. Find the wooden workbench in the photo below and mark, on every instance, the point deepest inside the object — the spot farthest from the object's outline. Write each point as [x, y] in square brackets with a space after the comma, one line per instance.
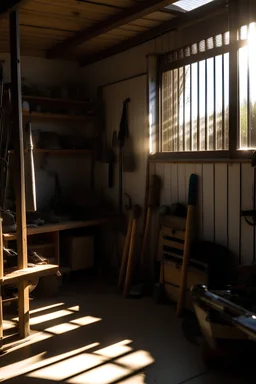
[54, 229]
[57, 227]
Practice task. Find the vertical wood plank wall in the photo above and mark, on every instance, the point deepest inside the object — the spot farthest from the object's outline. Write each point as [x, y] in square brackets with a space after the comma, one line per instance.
[224, 190]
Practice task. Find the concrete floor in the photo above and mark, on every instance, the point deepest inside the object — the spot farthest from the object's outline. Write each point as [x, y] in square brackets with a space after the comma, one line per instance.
[92, 335]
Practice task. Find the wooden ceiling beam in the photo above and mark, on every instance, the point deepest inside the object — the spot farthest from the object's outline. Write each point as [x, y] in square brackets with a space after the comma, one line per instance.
[8, 5]
[118, 20]
[211, 9]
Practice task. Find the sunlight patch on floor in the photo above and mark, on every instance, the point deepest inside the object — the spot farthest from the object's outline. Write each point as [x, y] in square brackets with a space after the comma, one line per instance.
[104, 374]
[41, 309]
[136, 360]
[32, 339]
[115, 349]
[62, 328]
[68, 367]
[37, 362]
[50, 316]
[19, 368]
[86, 320]
[136, 379]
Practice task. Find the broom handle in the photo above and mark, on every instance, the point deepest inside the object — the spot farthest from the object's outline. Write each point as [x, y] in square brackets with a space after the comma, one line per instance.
[125, 253]
[192, 195]
[130, 264]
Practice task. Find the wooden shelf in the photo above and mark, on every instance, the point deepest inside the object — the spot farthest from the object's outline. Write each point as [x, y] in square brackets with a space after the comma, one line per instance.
[61, 227]
[55, 116]
[41, 99]
[28, 274]
[41, 246]
[61, 151]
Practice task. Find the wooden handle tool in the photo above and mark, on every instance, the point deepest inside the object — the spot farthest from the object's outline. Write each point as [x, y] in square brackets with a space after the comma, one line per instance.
[131, 255]
[125, 253]
[190, 222]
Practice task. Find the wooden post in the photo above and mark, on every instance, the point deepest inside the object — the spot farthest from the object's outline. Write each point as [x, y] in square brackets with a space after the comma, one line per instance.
[1, 277]
[17, 130]
[56, 240]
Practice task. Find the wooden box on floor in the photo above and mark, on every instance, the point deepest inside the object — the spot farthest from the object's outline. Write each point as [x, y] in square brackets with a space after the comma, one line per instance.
[48, 285]
[170, 251]
[79, 251]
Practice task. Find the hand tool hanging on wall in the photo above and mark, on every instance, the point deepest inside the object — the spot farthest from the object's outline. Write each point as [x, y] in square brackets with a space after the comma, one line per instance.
[190, 225]
[112, 160]
[122, 135]
[30, 183]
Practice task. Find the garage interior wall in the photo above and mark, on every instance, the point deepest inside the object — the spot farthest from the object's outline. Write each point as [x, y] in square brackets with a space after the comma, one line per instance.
[224, 188]
[44, 73]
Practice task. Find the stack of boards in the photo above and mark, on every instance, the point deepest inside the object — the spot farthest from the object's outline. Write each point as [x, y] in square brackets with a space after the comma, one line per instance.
[170, 253]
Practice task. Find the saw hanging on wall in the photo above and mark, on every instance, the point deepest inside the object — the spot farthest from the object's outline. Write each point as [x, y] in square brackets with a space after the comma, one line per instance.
[126, 154]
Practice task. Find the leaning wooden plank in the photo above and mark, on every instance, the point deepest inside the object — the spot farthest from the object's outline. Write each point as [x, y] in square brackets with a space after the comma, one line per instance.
[17, 132]
[20, 275]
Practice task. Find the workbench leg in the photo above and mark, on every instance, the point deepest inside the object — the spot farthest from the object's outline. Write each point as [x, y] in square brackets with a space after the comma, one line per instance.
[1, 277]
[56, 240]
[17, 135]
[1, 319]
[23, 307]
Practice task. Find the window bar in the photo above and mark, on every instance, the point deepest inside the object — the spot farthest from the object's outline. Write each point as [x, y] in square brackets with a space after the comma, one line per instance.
[206, 117]
[168, 127]
[190, 101]
[214, 104]
[223, 103]
[249, 141]
[178, 110]
[198, 106]
[184, 101]
[233, 74]
[166, 136]
[173, 111]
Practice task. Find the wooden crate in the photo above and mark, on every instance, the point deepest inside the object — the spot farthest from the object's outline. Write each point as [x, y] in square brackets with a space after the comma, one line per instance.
[79, 251]
[170, 250]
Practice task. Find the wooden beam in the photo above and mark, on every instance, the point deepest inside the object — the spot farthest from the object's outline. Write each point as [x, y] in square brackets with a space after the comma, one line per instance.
[116, 21]
[8, 5]
[211, 10]
[17, 132]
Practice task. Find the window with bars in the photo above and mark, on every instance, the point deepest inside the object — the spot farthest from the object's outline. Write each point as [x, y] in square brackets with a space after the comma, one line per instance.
[195, 97]
[247, 87]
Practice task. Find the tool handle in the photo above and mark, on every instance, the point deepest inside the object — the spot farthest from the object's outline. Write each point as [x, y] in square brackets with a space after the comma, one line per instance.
[125, 253]
[131, 255]
[146, 237]
[192, 196]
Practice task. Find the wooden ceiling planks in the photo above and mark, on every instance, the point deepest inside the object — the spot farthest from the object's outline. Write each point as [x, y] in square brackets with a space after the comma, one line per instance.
[46, 24]
[139, 10]
[69, 12]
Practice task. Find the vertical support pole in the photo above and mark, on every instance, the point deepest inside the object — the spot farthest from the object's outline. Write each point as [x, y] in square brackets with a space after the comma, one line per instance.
[153, 103]
[23, 293]
[233, 76]
[1, 277]
[56, 240]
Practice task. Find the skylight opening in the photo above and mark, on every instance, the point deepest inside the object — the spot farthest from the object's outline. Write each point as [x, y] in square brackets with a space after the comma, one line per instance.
[188, 5]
